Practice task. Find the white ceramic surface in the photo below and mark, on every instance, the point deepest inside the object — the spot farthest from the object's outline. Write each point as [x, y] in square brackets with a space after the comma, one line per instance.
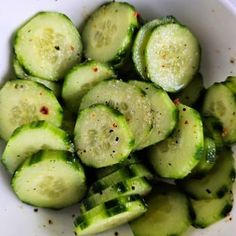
[212, 21]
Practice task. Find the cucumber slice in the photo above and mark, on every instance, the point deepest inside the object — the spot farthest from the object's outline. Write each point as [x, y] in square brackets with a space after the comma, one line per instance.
[82, 78]
[217, 182]
[127, 187]
[102, 136]
[167, 213]
[164, 113]
[176, 156]
[230, 82]
[208, 160]
[129, 100]
[172, 56]
[192, 92]
[109, 215]
[130, 171]
[139, 46]
[108, 32]
[24, 101]
[48, 45]
[140, 43]
[21, 74]
[104, 171]
[209, 211]
[39, 180]
[214, 129]
[31, 138]
[220, 103]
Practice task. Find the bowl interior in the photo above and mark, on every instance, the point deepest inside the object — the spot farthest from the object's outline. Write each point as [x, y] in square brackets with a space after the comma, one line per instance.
[213, 22]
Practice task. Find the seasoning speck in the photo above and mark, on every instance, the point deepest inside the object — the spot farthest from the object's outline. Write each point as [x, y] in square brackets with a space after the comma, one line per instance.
[50, 222]
[232, 60]
[177, 101]
[44, 110]
[208, 191]
[35, 210]
[116, 234]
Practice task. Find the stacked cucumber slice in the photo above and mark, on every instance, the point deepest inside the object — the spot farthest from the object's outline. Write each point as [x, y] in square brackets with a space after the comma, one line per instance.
[132, 132]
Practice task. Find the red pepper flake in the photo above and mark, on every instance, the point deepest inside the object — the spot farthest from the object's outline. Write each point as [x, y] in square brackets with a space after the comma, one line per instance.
[95, 69]
[44, 110]
[186, 122]
[72, 48]
[137, 14]
[224, 133]
[114, 125]
[177, 101]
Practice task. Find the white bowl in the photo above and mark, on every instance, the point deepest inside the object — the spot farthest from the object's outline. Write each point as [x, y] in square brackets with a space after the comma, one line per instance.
[212, 21]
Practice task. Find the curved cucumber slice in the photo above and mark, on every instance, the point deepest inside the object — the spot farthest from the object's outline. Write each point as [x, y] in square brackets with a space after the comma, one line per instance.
[109, 214]
[164, 113]
[48, 45]
[140, 43]
[131, 171]
[220, 103]
[108, 32]
[217, 182]
[165, 205]
[24, 101]
[176, 156]
[172, 56]
[39, 181]
[82, 78]
[209, 211]
[139, 46]
[208, 160]
[31, 138]
[102, 136]
[127, 187]
[21, 74]
[129, 100]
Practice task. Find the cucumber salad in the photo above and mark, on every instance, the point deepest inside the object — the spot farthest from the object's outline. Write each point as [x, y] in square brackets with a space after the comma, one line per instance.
[116, 118]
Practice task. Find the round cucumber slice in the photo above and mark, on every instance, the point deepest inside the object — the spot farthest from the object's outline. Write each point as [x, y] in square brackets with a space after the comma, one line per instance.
[107, 34]
[102, 136]
[48, 45]
[165, 205]
[24, 101]
[40, 182]
[172, 56]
